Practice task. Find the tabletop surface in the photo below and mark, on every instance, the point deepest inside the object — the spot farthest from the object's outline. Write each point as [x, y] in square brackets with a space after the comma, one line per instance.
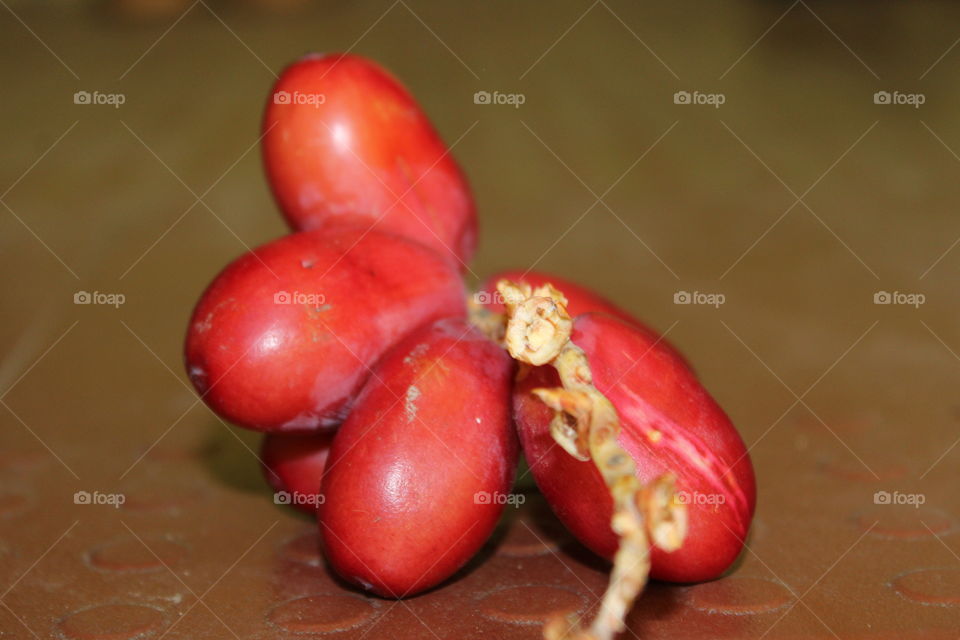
[800, 160]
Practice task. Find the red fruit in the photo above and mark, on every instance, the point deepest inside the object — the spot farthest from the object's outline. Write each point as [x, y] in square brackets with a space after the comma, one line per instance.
[293, 465]
[668, 423]
[417, 474]
[284, 337]
[580, 300]
[343, 139]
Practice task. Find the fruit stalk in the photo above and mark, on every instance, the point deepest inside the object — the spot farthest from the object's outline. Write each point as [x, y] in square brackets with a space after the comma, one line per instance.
[586, 425]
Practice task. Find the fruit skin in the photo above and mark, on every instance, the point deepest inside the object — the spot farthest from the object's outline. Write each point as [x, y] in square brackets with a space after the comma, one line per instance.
[295, 367]
[293, 464]
[655, 391]
[580, 300]
[428, 433]
[353, 155]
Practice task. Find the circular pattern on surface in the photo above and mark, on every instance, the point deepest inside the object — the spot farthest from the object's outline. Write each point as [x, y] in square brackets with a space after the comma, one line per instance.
[133, 555]
[902, 522]
[739, 596]
[529, 604]
[111, 622]
[321, 614]
[929, 586]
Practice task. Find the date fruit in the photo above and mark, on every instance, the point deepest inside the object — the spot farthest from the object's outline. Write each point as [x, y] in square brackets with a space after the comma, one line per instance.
[418, 473]
[669, 423]
[343, 139]
[283, 338]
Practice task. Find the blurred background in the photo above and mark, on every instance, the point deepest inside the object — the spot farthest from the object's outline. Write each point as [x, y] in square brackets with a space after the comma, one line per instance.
[772, 184]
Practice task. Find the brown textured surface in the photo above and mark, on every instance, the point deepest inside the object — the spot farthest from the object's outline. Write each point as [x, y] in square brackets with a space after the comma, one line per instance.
[838, 397]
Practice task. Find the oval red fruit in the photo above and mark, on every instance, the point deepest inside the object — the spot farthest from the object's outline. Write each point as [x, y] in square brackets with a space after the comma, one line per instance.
[293, 465]
[343, 139]
[668, 423]
[284, 337]
[419, 472]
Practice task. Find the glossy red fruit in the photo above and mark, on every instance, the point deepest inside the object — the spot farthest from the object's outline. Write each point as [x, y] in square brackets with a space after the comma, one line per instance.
[580, 300]
[293, 465]
[284, 337]
[343, 139]
[668, 423]
[418, 473]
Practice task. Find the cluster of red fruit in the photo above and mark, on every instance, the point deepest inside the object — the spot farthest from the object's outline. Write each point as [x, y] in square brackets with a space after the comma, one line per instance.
[387, 410]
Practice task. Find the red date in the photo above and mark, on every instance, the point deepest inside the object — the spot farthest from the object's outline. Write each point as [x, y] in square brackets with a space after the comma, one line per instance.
[416, 474]
[669, 423]
[284, 337]
[344, 140]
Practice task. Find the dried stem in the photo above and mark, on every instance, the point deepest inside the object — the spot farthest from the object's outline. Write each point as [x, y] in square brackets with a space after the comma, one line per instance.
[586, 425]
